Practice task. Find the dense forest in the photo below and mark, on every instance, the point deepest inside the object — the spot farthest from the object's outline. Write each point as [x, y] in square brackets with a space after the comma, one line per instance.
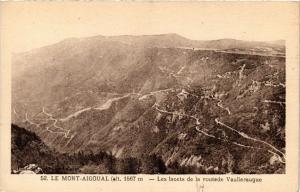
[28, 148]
[151, 104]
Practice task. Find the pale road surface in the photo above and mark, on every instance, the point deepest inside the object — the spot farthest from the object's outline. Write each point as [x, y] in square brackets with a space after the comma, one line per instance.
[109, 102]
[228, 127]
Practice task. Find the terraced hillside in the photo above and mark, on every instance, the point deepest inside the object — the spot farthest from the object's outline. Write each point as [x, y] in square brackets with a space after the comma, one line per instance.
[200, 106]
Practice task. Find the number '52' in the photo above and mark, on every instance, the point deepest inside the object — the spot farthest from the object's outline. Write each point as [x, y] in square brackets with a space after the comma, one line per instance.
[43, 178]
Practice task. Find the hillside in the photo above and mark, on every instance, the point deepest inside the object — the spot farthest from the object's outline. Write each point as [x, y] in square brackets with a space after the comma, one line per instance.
[29, 152]
[202, 106]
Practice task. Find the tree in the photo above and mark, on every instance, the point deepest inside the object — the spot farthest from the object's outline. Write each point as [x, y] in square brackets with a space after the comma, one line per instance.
[153, 164]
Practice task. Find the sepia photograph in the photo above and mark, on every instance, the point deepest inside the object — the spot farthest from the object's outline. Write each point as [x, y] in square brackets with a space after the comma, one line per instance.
[149, 104]
[151, 89]
[158, 103]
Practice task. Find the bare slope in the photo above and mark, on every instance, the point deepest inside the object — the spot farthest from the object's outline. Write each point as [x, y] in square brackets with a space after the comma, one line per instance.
[211, 111]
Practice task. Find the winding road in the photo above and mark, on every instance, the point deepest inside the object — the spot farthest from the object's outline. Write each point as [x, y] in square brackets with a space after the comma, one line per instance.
[273, 150]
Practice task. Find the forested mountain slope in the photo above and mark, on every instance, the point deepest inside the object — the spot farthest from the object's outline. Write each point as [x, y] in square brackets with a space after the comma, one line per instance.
[202, 106]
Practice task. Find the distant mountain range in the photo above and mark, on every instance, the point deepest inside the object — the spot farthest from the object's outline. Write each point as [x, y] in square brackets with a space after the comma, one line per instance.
[174, 40]
[199, 106]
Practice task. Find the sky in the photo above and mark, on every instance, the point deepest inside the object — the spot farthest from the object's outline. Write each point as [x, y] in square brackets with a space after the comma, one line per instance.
[33, 25]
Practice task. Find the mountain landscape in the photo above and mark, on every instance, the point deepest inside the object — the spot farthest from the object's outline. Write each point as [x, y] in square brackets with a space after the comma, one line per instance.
[150, 104]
